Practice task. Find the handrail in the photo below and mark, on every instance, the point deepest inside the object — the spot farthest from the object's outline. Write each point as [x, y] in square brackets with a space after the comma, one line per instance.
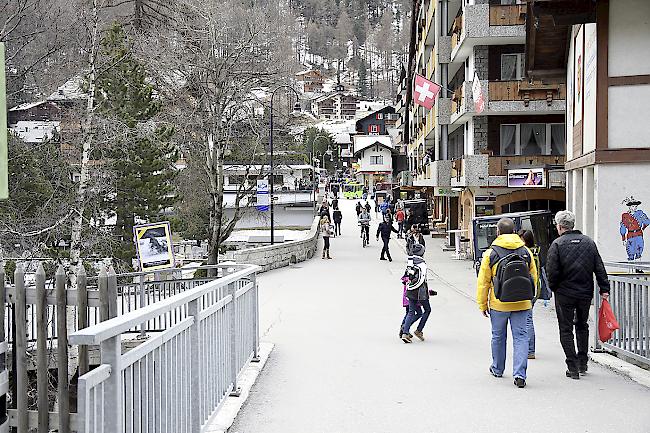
[633, 266]
[169, 270]
[102, 331]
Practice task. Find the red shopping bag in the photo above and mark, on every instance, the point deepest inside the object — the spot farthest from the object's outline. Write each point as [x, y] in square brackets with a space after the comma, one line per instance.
[607, 323]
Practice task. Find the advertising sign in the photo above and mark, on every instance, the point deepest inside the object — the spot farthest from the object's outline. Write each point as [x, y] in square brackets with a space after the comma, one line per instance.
[263, 197]
[527, 178]
[4, 163]
[153, 243]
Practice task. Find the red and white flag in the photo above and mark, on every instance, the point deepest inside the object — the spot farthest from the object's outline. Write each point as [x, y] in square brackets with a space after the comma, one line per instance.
[425, 92]
[477, 95]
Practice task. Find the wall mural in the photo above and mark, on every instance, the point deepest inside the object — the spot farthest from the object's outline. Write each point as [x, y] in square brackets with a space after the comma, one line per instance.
[633, 223]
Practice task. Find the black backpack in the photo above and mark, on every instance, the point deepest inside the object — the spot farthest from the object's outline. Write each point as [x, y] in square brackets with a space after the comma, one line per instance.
[512, 281]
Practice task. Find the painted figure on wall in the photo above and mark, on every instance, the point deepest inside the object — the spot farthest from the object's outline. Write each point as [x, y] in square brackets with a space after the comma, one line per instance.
[633, 223]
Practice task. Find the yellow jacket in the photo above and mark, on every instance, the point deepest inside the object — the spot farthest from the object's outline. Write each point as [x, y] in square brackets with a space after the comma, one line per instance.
[485, 275]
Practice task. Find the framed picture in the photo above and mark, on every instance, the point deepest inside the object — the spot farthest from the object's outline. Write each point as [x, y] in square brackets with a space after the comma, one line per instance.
[153, 243]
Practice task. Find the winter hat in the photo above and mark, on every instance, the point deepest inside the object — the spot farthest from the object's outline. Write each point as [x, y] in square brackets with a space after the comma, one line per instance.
[417, 250]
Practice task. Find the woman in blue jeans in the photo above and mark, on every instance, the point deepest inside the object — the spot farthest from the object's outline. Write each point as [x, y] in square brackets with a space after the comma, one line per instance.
[529, 239]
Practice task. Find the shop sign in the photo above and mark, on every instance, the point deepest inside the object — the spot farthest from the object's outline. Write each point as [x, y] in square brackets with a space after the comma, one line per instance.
[527, 178]
[445, 192]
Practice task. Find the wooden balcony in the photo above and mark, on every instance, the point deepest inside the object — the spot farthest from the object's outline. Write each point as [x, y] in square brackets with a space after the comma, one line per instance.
[526, 91]
[499, 165]
[507, 15]
[456, 32]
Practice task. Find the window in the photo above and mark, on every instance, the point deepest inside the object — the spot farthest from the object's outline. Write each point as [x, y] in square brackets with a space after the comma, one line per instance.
[373, 129]
[533, 139]
[377, 160]
[512, 66]
[380, 116]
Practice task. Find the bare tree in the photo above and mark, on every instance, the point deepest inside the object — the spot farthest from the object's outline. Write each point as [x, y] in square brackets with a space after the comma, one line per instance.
[212, 66]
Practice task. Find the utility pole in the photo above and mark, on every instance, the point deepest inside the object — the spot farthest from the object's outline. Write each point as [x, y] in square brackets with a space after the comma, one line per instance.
[4, 154]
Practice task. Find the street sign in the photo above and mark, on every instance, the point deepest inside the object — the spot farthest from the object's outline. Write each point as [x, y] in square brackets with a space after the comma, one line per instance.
[263, 198]
[4, 158]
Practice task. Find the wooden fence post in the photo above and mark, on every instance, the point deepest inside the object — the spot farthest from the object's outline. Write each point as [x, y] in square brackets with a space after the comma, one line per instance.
[112, 293]
[4, 374]
[102, 285]
[62, 351]
[21, 349]
[41, 351]
[82, 317]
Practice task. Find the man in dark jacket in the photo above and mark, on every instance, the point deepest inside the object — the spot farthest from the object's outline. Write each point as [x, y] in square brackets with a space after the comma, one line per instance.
[384, 230]
[572, 261]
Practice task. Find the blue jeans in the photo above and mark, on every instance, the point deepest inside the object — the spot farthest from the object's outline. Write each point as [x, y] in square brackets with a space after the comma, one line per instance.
[411, 316]
[499, 320]
[530, 328]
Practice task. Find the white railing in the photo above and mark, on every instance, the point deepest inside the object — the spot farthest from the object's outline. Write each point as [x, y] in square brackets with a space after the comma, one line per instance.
[178, 378]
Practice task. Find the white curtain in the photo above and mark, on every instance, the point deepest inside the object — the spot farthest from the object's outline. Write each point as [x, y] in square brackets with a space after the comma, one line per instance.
[508, 143]
[508, 66]
[533, 139]
[558, 140]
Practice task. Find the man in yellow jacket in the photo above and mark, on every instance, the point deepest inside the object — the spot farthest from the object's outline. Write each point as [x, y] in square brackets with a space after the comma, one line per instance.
[500, 313]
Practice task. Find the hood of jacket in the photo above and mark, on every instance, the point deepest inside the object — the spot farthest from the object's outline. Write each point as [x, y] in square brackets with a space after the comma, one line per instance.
[510, 241]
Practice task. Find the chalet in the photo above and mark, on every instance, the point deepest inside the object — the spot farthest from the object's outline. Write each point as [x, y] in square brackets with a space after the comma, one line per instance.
[374, 155]
[378, 122]
[310, 81]
[339, 105]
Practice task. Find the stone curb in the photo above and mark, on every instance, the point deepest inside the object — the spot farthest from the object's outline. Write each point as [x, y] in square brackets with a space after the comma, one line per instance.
[225, 417]
[631, 371]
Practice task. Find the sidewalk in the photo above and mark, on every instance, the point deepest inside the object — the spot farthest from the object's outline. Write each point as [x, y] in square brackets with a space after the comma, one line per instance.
[338, 365]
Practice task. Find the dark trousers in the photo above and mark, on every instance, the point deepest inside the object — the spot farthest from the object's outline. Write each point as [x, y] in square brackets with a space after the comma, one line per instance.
[568, 308]
[337, 228]
[384, 250]
[400, 229]
[327, 242]
[418, 314]
[412, 315]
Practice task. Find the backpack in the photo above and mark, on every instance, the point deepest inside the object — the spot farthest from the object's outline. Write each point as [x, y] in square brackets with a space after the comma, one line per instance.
[512, 281]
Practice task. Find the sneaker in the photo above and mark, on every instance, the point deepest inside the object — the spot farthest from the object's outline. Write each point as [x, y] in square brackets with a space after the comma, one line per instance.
[419, 334]
[520, 382]
[495, 374]
[406, 338]
[531, 356]
[390, 260]
[572, 374]
[381, 258]
[583, 369]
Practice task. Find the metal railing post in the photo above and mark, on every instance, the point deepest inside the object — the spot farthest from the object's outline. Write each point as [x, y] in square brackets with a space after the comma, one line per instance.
[232, 290]
[596, 345]
[256, 320]
[143, 333]
[195, 366]
[111, 354]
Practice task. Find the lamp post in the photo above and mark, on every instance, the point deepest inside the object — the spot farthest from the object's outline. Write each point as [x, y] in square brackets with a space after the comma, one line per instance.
[313, 144]
[271, 176]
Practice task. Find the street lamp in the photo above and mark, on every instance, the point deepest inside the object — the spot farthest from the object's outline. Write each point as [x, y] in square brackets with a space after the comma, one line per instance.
[281, 86]
[313, 144]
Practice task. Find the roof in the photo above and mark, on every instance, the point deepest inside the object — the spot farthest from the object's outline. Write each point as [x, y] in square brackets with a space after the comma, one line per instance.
[35, 131]
[332, 95]
[70, 90]
[363, 141]
[27, 106]
[307, 71]
[376, 143]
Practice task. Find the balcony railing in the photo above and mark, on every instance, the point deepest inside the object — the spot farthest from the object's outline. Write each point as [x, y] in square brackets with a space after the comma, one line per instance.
[499, 165]
[456, 31]
[526, 91]
[507, 15]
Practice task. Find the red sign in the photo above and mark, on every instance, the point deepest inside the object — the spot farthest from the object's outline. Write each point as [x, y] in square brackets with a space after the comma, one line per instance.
[425, 92]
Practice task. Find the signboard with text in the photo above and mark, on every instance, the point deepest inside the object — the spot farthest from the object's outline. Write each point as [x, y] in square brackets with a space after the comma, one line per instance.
[527, 178]
[153, 243]
[263, 197]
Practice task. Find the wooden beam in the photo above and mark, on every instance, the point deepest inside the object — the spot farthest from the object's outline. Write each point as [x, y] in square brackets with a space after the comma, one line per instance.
[629, 80]
[602, 74]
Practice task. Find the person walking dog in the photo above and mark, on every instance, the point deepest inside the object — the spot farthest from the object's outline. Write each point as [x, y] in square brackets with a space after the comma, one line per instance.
[505, 288]
[573, 260]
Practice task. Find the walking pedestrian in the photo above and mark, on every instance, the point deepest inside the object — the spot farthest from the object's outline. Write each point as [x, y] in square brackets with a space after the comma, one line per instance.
[573, 260]
[399, 216]
[337, 216]
[417, 292]
[509, 266]
[326, 230]
[529, 240]
[384, 229]
[358, 208]
[367, 206]
[325, 210]
[405, 304]
[414, 236]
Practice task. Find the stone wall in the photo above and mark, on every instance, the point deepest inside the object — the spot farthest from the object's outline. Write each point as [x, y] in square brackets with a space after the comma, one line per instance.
[480, 127]
[276, 256]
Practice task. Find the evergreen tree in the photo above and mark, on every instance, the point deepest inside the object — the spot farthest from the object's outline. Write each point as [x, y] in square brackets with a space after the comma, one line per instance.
[362, 84]
[141, 159]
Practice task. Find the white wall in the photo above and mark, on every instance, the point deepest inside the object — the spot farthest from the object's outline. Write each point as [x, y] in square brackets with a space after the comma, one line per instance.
[628, 115]
[613, 183]
[364, 160]
[629, 37]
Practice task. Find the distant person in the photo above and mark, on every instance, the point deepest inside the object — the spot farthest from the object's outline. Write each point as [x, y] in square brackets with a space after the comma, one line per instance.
[573, 260]
[338, 217]
[405, 304]
[400, 216]
[358, 208]
[367, 206]
[335, 202]
[414, 236]
[384, 229]
[529, 240]
[505, 288]
[364, 222]
[325, 210]
[418, 293]
[327, 232]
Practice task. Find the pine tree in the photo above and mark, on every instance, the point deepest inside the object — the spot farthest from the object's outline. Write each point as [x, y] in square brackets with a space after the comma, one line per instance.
[141, 161]
[362, 84]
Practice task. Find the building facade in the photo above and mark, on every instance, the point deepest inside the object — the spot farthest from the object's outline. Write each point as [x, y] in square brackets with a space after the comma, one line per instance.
[374, 154]
[339, 105]
[468, 163]
[607, 69]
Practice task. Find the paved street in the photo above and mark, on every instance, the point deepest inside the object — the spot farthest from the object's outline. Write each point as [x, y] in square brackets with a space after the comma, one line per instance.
[338, 365]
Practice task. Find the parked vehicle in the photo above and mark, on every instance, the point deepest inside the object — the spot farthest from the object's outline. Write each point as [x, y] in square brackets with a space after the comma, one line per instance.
[418, 208]
[539, 222]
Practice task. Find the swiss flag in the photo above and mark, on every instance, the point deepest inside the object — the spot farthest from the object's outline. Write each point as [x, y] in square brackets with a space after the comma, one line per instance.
[425, 92]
